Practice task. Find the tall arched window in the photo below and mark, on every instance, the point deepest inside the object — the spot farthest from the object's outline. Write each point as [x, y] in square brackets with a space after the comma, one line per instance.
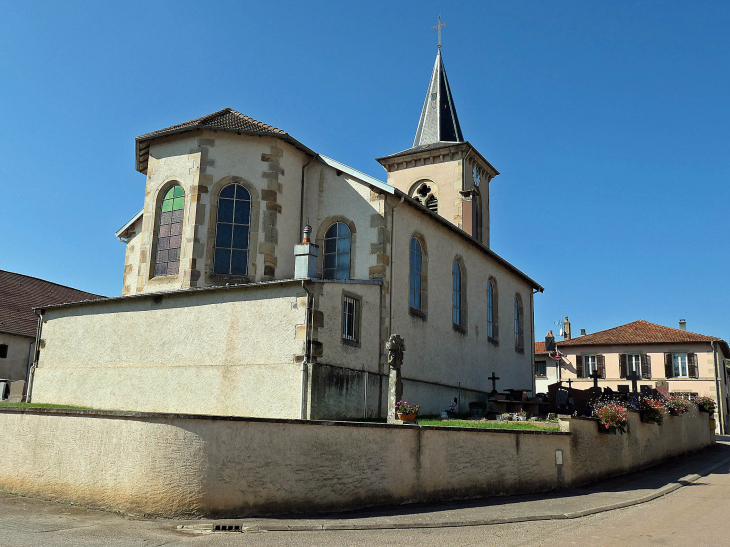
[337, 243]
[231, 230]
[456, 296]
[416, 281]
[492, 314]
[169, 232]
[519, 337]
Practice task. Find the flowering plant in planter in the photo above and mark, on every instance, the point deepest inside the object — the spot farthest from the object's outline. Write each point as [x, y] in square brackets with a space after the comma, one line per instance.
[652, 411]
[612, 415]
[403, 407]
[706, 404]
[678, 405]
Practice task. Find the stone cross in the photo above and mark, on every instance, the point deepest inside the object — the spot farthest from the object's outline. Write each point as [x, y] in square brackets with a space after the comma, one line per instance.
[634, 378]
[494, 379]
[595, 377]
[395, 347]
[570, 382]
[439, 27]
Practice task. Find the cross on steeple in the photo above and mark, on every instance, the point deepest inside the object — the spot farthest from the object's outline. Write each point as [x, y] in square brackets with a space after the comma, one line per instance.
[494, 379]
[439, 27]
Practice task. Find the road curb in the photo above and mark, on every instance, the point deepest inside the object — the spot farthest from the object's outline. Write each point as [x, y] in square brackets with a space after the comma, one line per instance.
[658, 493]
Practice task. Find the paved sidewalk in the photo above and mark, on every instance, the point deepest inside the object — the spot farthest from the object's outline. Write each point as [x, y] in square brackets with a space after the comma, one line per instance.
[607, 495]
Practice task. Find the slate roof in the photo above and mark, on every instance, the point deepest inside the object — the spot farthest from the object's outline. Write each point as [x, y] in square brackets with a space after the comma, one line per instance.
[20, 293]
[641, 332]
[223, 120]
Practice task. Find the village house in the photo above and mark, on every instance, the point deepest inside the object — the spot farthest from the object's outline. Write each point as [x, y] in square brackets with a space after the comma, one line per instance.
[232, 304]
[685, 363]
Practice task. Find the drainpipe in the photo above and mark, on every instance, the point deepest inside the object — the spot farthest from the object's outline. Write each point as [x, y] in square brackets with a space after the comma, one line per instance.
[307, 351]
[718, 391]
[31, 370]
[301, 195]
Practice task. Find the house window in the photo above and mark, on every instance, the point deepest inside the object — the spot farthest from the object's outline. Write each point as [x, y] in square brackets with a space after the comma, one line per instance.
[590, 364]
[492, 330]
[337, 241]
[679, 364]
[350, 320]
[169, 232]
[416, 277]
[633, 364]
[456, 297]
[519, 336]
[541, 369]
[3, 351]
[231, 231]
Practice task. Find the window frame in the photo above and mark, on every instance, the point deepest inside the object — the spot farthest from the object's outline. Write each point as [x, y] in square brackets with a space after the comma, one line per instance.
[590, 365]
[493, 322]
[631, 359]
[519, 326]
[458, 295]
[4, 349]
[415, 273]
[356, 300]
[537, 367]
[162, 198]
[686, 366]
[336, 252]
[233, 224]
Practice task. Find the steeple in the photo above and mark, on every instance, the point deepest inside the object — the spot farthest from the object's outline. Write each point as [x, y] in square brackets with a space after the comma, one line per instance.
[438, 122]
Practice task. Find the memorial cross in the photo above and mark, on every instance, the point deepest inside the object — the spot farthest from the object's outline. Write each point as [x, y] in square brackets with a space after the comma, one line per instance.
[595, 377]
[570, 382]
[634, 379]
[494, 379]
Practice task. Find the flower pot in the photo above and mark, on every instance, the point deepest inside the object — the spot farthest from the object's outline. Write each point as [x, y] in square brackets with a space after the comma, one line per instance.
[607, 430]
[406, 417]
[673, 412]
[702, 409]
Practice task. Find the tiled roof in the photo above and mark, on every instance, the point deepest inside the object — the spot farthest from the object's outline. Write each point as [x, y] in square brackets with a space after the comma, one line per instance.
[225, 119]
[638, 332]
[20, 293]
[540, 347]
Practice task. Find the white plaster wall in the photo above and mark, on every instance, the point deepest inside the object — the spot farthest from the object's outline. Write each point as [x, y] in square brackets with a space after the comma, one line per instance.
[15, 365]
[175, 465]
[434, 350]
[214, 352]
[131, 259]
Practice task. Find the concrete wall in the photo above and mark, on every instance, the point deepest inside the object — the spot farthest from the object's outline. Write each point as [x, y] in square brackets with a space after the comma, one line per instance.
[227, 351]
[171, 465]
[15, 365]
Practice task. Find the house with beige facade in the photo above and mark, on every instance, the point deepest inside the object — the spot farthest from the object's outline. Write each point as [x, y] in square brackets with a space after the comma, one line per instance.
[262, 278]
[683, 362]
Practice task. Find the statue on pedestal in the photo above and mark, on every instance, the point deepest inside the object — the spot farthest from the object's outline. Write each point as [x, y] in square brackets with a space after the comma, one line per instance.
[395, 347]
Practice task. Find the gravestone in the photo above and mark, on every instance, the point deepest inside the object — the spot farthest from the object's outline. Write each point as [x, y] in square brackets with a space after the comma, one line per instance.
[17, 391]
[494, 379]
[395, 347]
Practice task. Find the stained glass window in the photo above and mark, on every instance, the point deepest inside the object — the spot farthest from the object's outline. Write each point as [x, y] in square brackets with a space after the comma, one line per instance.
[337, 240]
[231, 231]
[416, 268]
[456, 304]
[169, 232]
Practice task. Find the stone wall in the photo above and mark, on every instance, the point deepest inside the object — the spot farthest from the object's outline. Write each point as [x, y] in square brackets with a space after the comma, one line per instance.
[174, 465]
[15, 365]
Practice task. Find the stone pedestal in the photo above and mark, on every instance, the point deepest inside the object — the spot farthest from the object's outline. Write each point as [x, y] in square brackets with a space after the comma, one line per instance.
[395, 347]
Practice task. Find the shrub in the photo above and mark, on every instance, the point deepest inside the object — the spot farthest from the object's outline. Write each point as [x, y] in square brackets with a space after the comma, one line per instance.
[652, 410]
[679, 405]
[706, 403]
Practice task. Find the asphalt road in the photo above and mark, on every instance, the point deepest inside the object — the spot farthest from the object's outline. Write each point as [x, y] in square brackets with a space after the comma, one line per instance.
[695, 515]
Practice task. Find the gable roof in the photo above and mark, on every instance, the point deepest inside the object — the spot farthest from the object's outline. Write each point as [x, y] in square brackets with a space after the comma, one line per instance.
[641, 332]
[223, 120]
[540, 347]
[19, 294]
[438, 122]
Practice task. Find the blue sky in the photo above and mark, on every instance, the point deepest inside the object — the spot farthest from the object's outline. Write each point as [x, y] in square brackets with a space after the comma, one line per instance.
[609, 123]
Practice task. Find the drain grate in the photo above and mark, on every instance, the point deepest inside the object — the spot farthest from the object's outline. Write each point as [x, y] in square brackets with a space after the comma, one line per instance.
[227, 528]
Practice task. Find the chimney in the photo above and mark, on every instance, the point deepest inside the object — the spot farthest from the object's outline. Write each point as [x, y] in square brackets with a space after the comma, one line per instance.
[566, 329]
[305, 257]
[682, 324]
[582, 332]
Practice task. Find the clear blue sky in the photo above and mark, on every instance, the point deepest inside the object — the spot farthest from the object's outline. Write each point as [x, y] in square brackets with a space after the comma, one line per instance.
[609, 121]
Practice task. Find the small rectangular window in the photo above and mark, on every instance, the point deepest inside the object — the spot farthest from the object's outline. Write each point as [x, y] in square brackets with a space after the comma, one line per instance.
[350, 320]
[3, 351]
[591, 365]
[541, 368]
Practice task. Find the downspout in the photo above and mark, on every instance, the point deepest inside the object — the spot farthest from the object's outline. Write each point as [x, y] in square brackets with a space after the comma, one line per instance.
[307, 352]
[301, 196]
[31, 370]
[718, 390]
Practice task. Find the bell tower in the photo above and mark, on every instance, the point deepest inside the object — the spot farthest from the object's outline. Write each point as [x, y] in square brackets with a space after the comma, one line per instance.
[442, 171]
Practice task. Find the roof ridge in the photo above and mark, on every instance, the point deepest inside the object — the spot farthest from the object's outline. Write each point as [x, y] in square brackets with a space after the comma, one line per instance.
[49, 282]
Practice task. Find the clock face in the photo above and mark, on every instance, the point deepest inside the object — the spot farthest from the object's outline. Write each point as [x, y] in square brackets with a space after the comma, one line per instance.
[477, 179]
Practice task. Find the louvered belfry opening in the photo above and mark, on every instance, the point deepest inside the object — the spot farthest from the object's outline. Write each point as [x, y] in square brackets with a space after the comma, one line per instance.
[425, 195]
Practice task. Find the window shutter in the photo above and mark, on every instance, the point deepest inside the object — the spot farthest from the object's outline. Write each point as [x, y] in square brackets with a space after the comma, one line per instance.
[579, 366]
[646, 367]
[668, 366]
[622, 366]
[692, 367]
[601, 363]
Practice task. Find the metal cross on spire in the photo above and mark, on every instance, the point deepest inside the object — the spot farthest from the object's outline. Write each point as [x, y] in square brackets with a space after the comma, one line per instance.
[439, 27]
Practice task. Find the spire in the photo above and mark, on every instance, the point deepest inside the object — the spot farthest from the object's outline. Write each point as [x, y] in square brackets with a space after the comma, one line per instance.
[438, 122]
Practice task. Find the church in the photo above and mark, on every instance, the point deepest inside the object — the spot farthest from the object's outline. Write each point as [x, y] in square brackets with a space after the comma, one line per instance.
[263, 279]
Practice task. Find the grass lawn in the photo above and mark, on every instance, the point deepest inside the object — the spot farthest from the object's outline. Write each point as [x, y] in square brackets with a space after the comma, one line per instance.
[42, 405]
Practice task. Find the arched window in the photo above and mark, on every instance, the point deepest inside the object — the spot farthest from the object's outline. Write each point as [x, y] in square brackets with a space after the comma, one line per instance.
[456, 298]
[169, 232]
[231, 230]
[337, 242]
[425, 193]
[416, 281]
[492, 315]
[519, 337]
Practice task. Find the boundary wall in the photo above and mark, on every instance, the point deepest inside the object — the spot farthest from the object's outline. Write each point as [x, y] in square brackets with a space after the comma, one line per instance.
[188, 465]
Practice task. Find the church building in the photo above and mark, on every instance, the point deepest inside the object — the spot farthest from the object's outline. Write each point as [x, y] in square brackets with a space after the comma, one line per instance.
[262, 278]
